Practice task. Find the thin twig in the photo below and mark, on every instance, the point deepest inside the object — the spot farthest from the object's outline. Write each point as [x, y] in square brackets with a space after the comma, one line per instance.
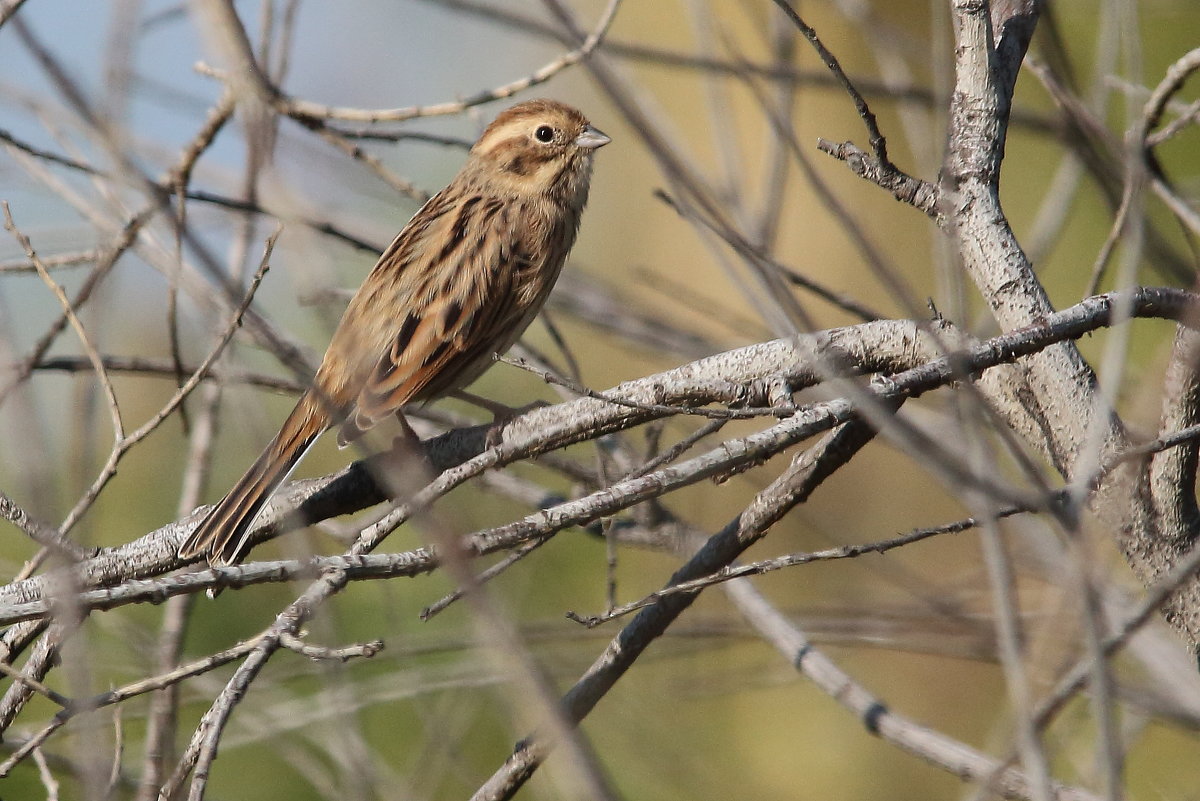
[93, 355]
[364, 650]
[877, 139]
[131, 690]
[34, 684]
[303, 108]
[162, 368]
[1189, 116]
[483, 577]
[730, 572]
[51, 262]
[46, 775]
[40, 532]
[954, 756]
[750, 251]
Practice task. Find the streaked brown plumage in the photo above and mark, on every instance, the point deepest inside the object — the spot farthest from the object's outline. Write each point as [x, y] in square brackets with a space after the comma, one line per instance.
[460, 283]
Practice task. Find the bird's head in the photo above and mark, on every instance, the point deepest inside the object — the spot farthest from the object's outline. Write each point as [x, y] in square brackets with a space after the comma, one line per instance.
[539, 146]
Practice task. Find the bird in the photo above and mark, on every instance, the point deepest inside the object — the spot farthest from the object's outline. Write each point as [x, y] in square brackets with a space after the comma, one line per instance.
[458, 285]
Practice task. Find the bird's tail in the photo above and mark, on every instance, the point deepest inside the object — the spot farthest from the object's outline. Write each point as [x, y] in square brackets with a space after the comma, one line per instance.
[221, 536]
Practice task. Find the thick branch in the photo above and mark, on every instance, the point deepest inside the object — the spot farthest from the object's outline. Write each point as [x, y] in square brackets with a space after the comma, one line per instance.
[1061, 384]
[886, 346]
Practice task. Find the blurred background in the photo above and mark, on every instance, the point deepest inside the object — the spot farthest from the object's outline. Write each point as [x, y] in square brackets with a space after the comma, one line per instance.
[739, 99]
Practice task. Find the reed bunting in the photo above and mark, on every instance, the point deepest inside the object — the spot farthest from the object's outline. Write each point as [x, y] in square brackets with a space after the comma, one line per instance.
[458, 284]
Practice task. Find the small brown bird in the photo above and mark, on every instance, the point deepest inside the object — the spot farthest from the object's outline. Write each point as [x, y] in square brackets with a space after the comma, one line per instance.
[459, 284]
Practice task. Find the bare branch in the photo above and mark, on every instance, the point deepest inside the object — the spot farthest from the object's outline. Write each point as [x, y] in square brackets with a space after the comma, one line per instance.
[794, 486]
[306, 109]
[953, 756]
[317, 652]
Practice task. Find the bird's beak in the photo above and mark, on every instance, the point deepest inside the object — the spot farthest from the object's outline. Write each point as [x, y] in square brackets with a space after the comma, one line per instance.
[591, 139]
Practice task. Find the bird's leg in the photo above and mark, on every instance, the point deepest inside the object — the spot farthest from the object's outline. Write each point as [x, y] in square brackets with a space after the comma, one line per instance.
[407, 437]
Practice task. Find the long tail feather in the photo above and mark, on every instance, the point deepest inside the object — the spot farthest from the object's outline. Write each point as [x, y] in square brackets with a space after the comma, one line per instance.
[222, 536]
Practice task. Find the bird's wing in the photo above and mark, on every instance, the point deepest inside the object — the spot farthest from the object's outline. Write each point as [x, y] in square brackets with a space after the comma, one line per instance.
[461, 297]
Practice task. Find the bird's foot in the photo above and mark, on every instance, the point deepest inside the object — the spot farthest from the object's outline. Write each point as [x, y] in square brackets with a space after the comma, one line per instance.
[502, 415]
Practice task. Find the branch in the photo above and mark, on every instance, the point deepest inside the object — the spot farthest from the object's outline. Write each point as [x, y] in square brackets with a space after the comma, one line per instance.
[794, 486]
[302, 109]
[953, 756]
[892, 347]
[877, 167]
[1061, 384]
[763, 566]
[920, 194]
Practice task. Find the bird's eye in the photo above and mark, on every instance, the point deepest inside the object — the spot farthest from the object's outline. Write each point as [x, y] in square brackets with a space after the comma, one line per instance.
[544, 133]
